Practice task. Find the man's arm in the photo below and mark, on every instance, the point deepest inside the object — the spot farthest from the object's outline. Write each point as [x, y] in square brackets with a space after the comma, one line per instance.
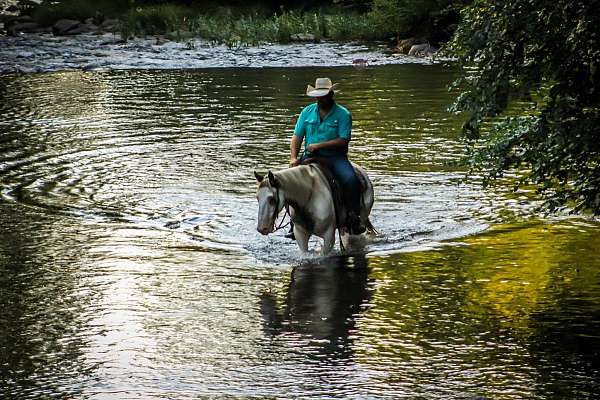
[294, 149]
[334, 144]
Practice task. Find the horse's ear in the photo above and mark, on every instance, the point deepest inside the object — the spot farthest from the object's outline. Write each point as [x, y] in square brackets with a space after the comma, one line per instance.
[259, 178]
[272, 179]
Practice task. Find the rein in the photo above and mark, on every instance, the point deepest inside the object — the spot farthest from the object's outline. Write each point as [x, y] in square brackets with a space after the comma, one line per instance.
[276, 213]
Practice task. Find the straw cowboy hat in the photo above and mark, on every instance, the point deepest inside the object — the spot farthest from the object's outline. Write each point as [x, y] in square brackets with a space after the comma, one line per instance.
[321, 88]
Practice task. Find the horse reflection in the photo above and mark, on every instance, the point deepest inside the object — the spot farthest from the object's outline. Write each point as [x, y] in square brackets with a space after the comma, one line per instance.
[321, 303]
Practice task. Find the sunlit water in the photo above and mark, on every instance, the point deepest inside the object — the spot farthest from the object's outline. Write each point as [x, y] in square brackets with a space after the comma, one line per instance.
[130, 265]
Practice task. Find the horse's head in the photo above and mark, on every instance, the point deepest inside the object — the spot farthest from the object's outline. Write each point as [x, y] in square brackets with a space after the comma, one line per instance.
[270, 202]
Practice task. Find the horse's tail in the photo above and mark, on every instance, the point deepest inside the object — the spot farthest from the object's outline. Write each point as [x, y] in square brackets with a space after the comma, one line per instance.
[370, 228]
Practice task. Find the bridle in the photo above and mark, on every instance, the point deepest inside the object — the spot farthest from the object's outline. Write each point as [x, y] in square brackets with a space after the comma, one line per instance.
[276, 212]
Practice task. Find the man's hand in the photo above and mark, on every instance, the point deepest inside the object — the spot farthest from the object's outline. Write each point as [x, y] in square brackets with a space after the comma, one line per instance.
[313, 148]
[294, 162]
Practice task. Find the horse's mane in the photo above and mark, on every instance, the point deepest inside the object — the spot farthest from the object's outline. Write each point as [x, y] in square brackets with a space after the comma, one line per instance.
[299, 182]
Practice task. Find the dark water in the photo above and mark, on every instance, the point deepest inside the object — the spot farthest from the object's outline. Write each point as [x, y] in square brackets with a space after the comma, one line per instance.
[130, 266]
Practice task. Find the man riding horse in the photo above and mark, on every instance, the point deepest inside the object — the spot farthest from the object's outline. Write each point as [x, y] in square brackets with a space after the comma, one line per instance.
[325, 127]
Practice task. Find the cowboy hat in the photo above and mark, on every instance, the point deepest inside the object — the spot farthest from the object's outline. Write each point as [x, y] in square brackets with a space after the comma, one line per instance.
[321, 88]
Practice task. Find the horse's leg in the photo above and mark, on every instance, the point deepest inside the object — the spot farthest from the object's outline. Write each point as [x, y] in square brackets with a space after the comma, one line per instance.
[302, 237]
[328, 241]
[346, 238]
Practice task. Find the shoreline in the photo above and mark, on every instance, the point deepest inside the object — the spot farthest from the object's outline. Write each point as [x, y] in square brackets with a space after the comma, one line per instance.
[39, 53]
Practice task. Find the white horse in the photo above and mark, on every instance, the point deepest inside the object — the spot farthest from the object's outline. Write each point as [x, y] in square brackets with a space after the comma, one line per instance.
[305, 191]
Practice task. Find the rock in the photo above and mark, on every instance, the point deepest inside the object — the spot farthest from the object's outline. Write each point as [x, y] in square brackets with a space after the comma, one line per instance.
[360, 62]
[110, 24]
[90, 67]
[23, 18]
[112, 42]
[172, 224]
[26, 54]
[11, 20]
[25, 4]
[404, 45]
[5, 23]
[63, 26]
[161, 40]
[82, 28]
[78, 60]
[303, 37]
[22, 27]
[422, 50]
[178, 35]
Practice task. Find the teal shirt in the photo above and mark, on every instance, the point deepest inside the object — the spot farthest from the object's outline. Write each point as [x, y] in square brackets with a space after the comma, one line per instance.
[337, 124]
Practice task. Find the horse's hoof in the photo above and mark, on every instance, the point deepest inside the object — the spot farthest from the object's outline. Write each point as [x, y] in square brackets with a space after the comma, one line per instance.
[355, 227]
[357, 230]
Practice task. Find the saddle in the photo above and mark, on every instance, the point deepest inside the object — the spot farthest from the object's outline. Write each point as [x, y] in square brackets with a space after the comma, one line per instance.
[339, 204]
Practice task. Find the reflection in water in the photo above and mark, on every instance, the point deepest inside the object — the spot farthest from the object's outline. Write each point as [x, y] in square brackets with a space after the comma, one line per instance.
[45, 309]
[130, 266]
[507, 315]
[322, 302]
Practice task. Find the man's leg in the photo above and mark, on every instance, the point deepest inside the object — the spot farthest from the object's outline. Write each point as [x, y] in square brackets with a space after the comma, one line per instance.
[346, 176]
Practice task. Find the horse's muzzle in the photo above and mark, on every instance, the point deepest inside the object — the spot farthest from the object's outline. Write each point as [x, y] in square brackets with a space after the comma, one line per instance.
[265, 230]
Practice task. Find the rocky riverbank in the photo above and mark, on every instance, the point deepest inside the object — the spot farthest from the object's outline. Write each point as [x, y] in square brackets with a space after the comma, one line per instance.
[99, 43]
[28, 53]
[15, 25]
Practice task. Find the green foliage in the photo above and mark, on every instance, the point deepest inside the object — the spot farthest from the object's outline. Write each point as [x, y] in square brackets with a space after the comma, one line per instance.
[156, 19]
[351, 26]
[387, 15]
[223, 25]
[402, 18]
[547, 53]
[236, 23]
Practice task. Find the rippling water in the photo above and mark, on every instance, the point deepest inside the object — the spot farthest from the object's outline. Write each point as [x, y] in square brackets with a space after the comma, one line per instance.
[131, 267]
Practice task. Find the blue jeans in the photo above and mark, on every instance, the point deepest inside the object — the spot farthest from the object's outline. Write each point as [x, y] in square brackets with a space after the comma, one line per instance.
[344, 173]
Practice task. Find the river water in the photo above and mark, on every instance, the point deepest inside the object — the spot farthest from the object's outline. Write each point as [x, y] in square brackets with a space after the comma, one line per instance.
[130, 265]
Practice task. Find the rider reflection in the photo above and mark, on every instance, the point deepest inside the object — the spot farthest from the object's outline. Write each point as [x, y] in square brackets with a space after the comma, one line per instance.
[322, 303]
